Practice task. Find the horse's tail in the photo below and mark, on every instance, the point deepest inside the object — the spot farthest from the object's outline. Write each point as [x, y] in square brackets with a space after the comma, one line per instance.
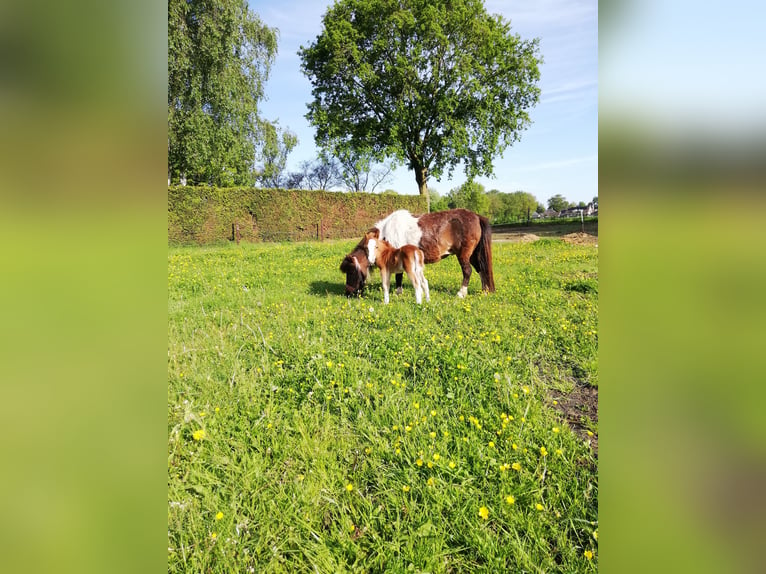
[482, 256]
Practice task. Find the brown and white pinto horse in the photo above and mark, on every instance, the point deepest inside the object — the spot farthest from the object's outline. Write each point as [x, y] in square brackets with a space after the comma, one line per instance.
[407, 258]
[455, 232]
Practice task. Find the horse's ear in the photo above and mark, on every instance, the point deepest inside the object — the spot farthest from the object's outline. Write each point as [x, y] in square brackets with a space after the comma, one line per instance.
[372, 233]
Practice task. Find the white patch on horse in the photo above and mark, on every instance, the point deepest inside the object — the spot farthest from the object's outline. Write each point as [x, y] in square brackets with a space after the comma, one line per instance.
[463, 292]
[400, 228]
[371, 251]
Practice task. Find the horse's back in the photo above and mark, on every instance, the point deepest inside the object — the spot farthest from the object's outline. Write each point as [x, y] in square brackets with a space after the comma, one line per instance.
[400, 228]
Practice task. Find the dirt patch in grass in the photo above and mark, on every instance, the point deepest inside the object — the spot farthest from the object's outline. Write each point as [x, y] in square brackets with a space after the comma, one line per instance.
[580, 238]
[515, 237]
[580, 410]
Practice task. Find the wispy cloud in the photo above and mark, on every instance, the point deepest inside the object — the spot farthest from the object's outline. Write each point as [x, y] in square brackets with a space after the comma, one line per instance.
[559, 164]
[554, 13]
[569, 91]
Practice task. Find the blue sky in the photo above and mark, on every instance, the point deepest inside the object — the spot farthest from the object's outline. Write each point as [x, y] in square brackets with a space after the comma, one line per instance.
[557, 154]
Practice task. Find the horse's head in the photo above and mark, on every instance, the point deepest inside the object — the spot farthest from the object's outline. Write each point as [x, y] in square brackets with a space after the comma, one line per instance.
[356, 266]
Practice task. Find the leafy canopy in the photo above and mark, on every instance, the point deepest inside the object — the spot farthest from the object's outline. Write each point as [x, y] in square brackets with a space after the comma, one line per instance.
[219, 56]
[431, 83]
[471, 196]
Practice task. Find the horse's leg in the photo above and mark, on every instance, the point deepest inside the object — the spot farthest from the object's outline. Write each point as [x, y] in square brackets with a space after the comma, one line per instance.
[411, 268]
[385, 279]
[415, 278]
[399, 277]
[419, 267]
[424, 282]
[465, 265]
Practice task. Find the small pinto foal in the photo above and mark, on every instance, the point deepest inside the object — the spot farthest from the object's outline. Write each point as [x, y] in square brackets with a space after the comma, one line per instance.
[408, 258]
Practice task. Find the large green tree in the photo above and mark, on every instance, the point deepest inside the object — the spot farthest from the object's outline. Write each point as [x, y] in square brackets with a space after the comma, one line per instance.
[431, 83]
[219, 56]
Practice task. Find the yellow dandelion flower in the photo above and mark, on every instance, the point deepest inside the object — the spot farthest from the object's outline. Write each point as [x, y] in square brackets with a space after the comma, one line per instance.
[516, 466]
[539, 506]
[416, 405]
[349, 487]
[556, 430]
[219, 516]
[559, 451]
[588, 554]
[218, 410]
[432, 434]
[405, 488]
[198, 434]
[590, 433]
[433, 413]
[213, 535]
[430, 481]
[419, 462]
[461, 418]
[514, 446]
[436, 456]
[352, 528]
[491, 444]
[525, 389]
[452, 464]
[408, 428]
[510, 499]
[484, 512]
[543, 451]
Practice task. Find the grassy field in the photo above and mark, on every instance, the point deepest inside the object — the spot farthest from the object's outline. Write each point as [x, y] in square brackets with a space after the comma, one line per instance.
[312, 433]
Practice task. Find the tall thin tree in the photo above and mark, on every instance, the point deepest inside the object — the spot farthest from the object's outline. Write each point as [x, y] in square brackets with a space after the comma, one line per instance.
[219, 57]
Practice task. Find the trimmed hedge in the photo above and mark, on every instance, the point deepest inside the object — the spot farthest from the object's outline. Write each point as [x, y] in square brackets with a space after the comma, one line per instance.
[202, 215]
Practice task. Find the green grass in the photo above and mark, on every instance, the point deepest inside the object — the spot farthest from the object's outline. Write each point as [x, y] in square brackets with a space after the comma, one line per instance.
[422, 410]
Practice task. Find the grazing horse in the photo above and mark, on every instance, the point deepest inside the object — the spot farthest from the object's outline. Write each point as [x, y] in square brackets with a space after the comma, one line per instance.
[455, 232]
[391, 260]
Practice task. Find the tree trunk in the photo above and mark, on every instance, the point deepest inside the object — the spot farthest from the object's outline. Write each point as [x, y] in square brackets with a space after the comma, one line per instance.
[421, 177]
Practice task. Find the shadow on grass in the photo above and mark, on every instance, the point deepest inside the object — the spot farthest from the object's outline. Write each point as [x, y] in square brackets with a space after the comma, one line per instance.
[327, 288]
